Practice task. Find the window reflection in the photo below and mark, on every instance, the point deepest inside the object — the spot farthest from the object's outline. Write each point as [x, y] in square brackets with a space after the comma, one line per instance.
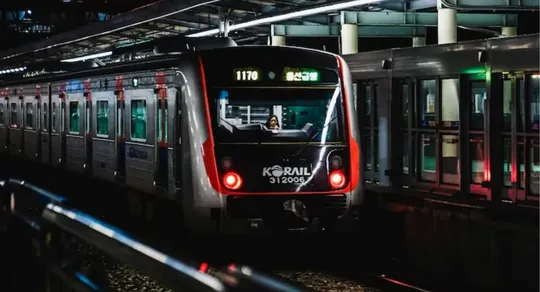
[477, 159]
[478, 96]
[427, 99]
[405, 167]
[521, 161]
[405, 104]
[534, 102]
[507, 160]
[534, 168]
[428, 158]
[450, 103]
[521, 125]
[450, 159]
[369, 101]
[507, 104]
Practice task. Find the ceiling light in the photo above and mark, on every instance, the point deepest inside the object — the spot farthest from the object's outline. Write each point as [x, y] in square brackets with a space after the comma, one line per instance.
[84, 58]
[286, 16]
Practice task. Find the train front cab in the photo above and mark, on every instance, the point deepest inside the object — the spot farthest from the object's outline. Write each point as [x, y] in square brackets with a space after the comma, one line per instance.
[249, 159]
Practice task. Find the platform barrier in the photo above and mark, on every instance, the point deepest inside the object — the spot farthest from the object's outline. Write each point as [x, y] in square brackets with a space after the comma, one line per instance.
[45, 237]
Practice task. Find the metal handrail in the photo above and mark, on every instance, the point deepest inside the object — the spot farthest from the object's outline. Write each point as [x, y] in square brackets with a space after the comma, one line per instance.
[48, 210]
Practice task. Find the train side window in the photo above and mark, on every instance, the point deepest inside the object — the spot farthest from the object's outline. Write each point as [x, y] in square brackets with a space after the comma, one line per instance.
[13, 119]
[138, 119]
[38, 116]
[74, 117]
[62, 116]
[427, 98]
[120, 107]
[45, 117]
[450, 102]
[162, 133]
[103, 118]
[29, 115]
[54, 113]
[534, 102]
[87, 122]
[2, 122]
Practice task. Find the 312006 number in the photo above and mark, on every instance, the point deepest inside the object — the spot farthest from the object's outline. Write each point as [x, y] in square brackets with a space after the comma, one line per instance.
[287, 180]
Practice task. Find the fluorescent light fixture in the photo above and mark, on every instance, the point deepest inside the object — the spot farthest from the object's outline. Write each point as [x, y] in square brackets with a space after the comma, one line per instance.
[286, 16]
[84, 58]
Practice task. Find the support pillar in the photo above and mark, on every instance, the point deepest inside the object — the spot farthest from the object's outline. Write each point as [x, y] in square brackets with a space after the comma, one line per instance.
[349, 39]
[277, 40]
[508, 31]
[418, 41]
[446, 26]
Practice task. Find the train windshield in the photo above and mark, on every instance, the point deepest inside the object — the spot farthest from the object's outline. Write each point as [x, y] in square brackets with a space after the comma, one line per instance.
[277, 114]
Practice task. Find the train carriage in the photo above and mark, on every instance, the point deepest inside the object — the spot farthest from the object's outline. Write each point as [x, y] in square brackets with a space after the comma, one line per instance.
[193, 128]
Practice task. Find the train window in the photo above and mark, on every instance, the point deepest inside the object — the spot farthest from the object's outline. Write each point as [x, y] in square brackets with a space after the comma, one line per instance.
[405, 104]
[102, 118]
[29, 115]
[13, 118]
[476, 148]
[45, 117]
[62, 116]
[405, 161]
[38, 116]
[74, 117]
[120, 106]
[87, 116]
[54, 113]
[450, 102]
[534, 166]
[427, 153]
[507, 160]
[369, 104]
[534, 102]
[507, 104]
[427, 98]
[138, 119]
[2, 114]
[162, 134]
[521, 122]
[478, 97]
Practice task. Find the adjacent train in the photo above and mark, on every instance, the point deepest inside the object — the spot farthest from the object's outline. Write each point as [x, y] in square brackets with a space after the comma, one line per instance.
[240, 136]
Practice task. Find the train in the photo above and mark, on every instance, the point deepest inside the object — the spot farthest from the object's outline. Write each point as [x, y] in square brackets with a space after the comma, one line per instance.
[241, 137]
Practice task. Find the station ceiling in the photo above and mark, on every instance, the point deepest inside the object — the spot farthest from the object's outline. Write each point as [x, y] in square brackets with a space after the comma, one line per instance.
[249, 22]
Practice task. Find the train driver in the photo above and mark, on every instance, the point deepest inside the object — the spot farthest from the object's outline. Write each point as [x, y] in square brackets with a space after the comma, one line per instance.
[272, 123]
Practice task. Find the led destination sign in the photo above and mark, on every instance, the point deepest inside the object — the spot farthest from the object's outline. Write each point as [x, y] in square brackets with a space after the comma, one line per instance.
[287, 75]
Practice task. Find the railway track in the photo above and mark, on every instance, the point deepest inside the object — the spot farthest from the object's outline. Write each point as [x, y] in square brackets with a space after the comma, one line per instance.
[310, 262]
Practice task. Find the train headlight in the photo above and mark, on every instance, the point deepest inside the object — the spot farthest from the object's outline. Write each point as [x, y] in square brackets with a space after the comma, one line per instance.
[336, 162]
[337, 179]
[232, 180]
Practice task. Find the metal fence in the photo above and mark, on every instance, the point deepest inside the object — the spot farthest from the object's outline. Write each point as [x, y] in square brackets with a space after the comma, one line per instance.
[40, 231]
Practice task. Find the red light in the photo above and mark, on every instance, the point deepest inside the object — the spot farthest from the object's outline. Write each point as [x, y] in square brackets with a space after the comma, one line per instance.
[232, 180]
[337, 179]
[203, 268]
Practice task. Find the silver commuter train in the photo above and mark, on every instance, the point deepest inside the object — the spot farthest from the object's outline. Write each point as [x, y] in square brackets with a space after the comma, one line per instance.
[192, 127]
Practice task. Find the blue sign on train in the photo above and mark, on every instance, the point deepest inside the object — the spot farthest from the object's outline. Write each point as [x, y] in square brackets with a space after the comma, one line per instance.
[138, 154]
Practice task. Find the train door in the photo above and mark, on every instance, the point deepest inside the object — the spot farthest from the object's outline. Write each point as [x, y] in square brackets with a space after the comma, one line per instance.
[75, 146]
[104, 152]
[3, 124]
[177, 133]
[88, 114]
[56, 130]
[30, 127]
[120, 133]
[15, 133]
[161, 144]
[140, 140]
[46, 128]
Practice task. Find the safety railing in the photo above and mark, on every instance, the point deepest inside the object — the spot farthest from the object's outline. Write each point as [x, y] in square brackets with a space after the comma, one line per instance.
[54, 229]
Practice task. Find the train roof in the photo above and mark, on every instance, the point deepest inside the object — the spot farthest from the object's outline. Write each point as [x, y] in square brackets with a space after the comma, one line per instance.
[170, 61]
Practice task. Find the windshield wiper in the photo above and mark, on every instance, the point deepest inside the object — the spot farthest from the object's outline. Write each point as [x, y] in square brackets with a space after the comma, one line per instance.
[313, 136]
